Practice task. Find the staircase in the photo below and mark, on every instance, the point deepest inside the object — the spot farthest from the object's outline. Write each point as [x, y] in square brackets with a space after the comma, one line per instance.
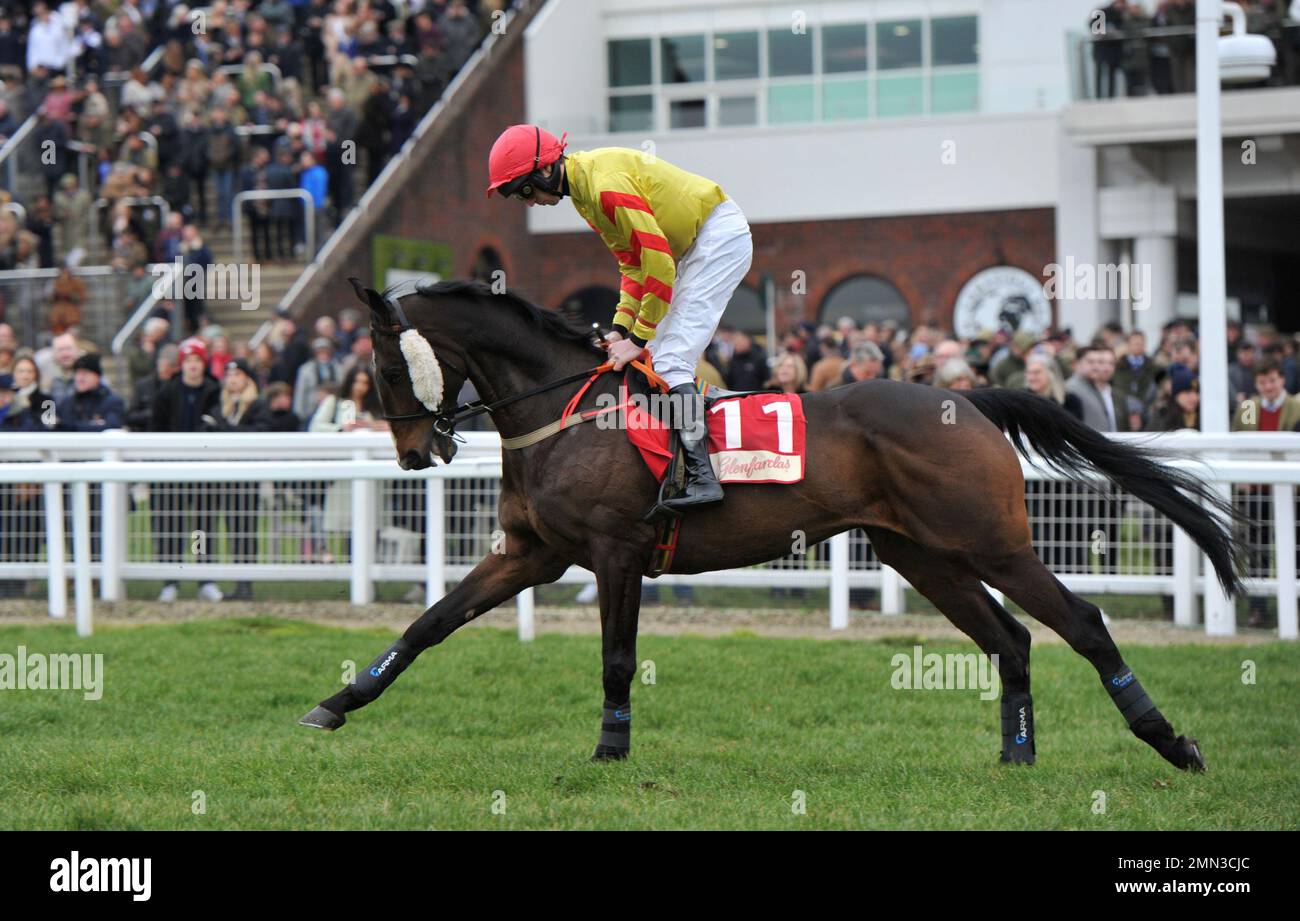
[274, 281]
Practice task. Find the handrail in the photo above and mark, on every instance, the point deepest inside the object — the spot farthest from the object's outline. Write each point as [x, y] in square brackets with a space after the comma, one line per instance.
[392, 60]
[141, 313]
[1122, 33]
[11, 145]
[395, 162]
[237, 214]
[156, 200]
[262, 332]
[151, 60]
[21, 274]
[267, 66]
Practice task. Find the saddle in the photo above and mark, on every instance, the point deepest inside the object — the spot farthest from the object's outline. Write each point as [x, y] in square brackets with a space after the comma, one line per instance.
[673, 481]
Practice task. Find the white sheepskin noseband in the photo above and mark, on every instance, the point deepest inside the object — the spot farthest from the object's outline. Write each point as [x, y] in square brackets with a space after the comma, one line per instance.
[426, 373]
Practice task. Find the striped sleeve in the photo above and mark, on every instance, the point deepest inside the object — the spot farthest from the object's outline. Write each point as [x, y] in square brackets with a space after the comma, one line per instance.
[645, 259]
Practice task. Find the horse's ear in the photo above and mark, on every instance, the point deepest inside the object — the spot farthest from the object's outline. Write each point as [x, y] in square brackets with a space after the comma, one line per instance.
[372, 299]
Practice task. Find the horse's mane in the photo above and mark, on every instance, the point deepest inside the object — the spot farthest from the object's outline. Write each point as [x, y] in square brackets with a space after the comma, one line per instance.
[548, 321]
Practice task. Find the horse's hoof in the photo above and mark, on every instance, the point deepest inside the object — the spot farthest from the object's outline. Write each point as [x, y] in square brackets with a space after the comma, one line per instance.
[1190, 757]
[606, 753]
[320, 718]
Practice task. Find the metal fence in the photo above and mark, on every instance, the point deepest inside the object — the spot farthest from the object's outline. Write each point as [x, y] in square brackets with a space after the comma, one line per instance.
[26, 296]
[312, 507]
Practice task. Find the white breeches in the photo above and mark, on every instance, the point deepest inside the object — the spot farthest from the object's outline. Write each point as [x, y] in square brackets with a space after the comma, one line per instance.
[707, 276]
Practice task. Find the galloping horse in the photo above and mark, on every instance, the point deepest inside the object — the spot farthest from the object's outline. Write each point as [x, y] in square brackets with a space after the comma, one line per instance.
[928, 473]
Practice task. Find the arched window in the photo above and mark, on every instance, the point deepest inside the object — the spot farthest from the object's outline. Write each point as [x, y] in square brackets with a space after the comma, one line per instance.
[486, 263]
[865, 298]
[593, 304]
[745, 312]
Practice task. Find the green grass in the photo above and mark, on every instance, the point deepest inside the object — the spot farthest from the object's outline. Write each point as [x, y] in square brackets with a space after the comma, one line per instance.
[731, 728]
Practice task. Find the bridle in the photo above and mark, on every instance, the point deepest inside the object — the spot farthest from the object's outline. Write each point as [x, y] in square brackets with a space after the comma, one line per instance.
[445, 422]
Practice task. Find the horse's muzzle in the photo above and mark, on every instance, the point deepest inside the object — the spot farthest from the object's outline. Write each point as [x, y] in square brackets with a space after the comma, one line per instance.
[414, 460]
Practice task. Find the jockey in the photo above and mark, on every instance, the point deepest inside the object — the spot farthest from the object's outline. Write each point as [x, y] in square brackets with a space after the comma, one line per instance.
[682, 246]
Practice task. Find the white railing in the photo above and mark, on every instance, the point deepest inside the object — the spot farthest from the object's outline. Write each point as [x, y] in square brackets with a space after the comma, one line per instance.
[455, 510]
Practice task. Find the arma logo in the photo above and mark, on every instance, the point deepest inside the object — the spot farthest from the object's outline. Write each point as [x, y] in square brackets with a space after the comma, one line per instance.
[1122, 681]
[103, 874]
[1023, 735]
[382, 666]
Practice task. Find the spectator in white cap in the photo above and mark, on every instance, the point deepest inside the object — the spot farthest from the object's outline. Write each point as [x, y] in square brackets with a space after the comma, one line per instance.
[322, 369]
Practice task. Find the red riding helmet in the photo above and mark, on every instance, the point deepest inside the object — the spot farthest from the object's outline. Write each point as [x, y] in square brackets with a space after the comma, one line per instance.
[520, 151]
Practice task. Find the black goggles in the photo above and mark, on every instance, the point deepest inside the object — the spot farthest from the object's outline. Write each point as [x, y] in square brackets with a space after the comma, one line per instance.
[522, 188]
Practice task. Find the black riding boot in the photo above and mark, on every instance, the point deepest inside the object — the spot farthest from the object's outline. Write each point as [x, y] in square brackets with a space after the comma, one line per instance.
[702, 487]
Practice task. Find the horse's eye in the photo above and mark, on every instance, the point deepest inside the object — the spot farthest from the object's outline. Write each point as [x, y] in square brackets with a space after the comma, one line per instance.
[393, 375]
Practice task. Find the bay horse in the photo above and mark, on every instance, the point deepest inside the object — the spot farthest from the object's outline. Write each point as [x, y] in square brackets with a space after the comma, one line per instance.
[931, 475]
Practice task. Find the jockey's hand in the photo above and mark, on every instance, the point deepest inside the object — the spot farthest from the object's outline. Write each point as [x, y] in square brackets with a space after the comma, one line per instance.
[622, 351]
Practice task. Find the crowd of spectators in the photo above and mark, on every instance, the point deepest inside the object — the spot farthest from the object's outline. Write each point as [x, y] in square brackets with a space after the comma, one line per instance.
[1115, 381]
[318, 378]
[238, 96]
[1152, 44]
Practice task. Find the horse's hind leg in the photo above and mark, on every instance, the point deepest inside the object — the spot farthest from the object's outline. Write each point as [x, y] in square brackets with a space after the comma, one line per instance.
[1029, 583]
[964, 601]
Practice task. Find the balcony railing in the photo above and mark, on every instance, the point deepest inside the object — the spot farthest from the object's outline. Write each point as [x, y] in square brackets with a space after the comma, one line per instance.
[1160, 60]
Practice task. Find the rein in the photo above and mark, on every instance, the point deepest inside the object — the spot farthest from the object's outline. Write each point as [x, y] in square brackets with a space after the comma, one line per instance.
[445, 422]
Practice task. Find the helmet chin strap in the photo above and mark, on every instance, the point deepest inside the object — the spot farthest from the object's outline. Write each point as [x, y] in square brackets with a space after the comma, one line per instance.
[555, 184]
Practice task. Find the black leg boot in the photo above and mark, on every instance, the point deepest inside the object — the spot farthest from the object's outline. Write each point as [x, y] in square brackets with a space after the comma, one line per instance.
[702, 487]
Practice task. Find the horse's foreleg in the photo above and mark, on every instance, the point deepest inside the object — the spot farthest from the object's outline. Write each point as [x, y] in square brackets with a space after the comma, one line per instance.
[497, 578]
[618, 579]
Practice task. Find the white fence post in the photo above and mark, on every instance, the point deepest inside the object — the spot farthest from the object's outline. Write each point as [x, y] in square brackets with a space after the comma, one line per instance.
[112, 534]
[54, 550]
[81, 556]
[364, 495]
[1220, 610]
[1284, 541]
[524, 602]
[435, 541]
[840, 581]
[891, 590]
[1185, 562]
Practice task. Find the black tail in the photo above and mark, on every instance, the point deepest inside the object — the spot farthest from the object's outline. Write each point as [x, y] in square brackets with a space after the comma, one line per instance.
[1067, 445]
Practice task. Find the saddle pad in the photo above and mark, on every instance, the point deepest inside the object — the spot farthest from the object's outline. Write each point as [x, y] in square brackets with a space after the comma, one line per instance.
[753, 439]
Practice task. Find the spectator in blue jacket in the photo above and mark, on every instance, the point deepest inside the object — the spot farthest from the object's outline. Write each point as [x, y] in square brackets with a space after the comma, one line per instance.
[92, 407]
[315, 179]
